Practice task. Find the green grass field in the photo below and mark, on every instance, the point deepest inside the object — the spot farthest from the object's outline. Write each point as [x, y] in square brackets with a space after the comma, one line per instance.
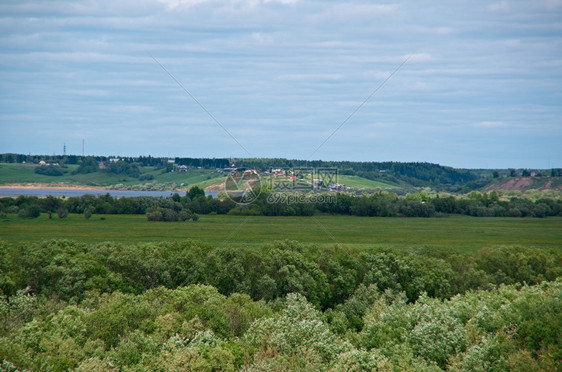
[20, 173]
[461, 233]
[363, 183]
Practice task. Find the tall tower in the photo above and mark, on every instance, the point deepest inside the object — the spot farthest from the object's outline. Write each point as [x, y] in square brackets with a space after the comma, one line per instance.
[82, 146]
[64, 150]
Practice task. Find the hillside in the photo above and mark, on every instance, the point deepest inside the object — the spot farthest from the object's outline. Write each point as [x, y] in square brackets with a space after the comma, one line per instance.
[162, 173]
[525, 183]
[24, 174]
[150, 173]
[150, 178]
[398, 175]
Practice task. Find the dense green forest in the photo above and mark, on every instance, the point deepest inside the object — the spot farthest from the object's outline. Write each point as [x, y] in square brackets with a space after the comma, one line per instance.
[283, 306]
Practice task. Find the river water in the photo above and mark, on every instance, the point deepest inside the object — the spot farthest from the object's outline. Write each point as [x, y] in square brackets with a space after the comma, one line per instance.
[15, 192]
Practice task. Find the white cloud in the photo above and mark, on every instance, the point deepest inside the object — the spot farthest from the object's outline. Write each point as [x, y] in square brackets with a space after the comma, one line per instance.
[89, 92]
[261, 38]
[173, 4]
[550, 4]
[419, 86]
[499, 7]
[420, 57]
[303, 77]
[351, 13]
[269, 64]
[489, 124]
[135, 109]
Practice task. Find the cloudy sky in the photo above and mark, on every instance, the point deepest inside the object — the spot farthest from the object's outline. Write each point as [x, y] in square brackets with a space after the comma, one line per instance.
[481, 86]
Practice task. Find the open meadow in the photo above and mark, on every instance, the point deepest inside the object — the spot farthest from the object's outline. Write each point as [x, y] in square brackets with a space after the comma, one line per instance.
[461, 233]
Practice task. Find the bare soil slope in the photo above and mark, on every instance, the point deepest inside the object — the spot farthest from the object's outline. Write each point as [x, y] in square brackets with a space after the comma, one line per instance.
[526, 183]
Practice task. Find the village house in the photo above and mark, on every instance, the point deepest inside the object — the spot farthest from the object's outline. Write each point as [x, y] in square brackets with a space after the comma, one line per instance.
[250, 172]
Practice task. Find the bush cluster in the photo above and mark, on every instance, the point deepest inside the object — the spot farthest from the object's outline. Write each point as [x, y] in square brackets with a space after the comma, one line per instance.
[50, 170]
[29, 211]
[123, 167]
[169, 215]
[89, 164]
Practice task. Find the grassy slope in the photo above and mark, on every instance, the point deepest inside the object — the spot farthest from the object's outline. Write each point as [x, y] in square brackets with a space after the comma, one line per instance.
[199, 177]
[464, 234]
[18, 173]
[363, 183]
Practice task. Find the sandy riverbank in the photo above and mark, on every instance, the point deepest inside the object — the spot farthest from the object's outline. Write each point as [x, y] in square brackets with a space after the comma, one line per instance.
[57, 186]
[63, 186]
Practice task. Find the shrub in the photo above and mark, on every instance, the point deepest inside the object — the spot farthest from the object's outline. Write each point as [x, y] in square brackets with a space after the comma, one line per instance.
[62, 213]
[184, 216]
[154, 214]
[49, 170]
[88, 213]
[12, 209]
[170, 214]
[30, 211]
[146, 177]
[88, 165]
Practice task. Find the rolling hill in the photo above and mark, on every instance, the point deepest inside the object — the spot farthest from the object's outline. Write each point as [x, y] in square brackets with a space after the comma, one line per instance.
[150, 173]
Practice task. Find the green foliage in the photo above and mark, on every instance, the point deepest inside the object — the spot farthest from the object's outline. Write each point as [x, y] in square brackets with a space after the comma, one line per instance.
[195, 192]
[88, 212]
[88, 165]
[123, 167]
[508, 328]
[50, 205]
[146, 177]
[297, 336]
[518, 265]
[344, 279]
[481, 330]
[49, 170]
[169, 214]
[30, 211]
[62, 212]
[380, 204]
[17, 310]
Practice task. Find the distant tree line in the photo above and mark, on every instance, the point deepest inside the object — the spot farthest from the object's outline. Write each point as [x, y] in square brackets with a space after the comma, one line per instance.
[380, 204]
[156, 209]
[89, 164]
[144, 161]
